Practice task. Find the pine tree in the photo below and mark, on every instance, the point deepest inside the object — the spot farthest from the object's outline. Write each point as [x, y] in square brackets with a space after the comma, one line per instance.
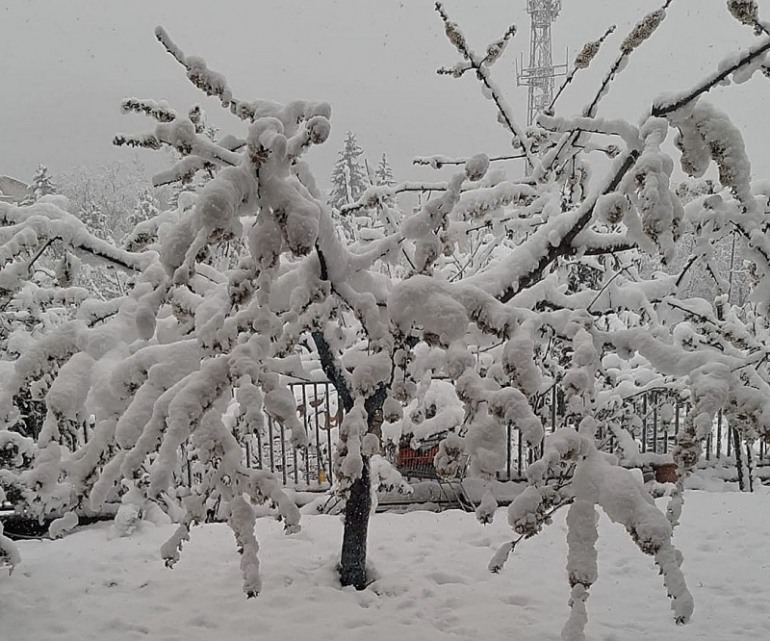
[146, 208]
[349, 179]
[41, 185]
[383, 175]
[96, 219]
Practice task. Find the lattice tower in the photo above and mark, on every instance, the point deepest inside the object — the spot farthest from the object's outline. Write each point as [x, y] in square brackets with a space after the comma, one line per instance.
[539, 75]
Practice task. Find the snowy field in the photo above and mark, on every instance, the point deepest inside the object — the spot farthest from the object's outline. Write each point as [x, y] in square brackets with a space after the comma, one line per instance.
[432, 583]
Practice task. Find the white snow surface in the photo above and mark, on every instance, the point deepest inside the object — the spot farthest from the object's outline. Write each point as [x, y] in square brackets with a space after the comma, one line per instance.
[431, 582]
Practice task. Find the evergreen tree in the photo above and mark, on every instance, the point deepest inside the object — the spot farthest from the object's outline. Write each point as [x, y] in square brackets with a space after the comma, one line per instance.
[383, 175]
[41, 185]
[96, 219]
[146, 208]
[349, 179]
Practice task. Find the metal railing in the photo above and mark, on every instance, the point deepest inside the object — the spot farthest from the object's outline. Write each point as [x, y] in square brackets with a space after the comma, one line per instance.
[311, 465]
[652, 426]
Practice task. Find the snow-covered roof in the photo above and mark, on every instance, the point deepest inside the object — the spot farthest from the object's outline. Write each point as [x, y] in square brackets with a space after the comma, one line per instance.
[12, 190]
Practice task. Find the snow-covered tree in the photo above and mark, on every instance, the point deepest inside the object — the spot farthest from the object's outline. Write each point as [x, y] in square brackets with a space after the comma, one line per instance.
[160, 372]
[106, 197]
[110, 199]
[603, 339]
[39, 307]
[146, 209]
[349, 179]
[383, 174]
[42, 185]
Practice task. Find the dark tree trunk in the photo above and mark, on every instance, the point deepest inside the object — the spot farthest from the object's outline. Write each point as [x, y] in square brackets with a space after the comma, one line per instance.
[353, 558]
[352, 567]
[359, 506]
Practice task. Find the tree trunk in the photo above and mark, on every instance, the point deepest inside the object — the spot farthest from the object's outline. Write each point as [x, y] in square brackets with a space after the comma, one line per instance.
[352, 566]
[359, 506]
[353, 559]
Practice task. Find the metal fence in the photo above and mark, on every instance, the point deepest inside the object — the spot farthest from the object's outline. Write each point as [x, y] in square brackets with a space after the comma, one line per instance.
[653, 419]
[311, 465]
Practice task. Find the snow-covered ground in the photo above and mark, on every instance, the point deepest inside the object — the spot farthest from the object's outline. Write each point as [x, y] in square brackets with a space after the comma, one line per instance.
[432, 583]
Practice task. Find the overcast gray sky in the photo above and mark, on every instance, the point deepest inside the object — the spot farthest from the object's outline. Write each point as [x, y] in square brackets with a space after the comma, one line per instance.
[65, 65]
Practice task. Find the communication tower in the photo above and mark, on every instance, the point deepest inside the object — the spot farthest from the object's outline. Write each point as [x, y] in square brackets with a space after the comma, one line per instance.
[539, 75]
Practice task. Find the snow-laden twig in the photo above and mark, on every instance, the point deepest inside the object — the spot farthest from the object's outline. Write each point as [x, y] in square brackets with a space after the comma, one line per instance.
[582, 61]
[506, 118]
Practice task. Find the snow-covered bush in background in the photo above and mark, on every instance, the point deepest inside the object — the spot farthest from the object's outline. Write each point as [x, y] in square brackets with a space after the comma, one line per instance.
[111, 200]
[42, 246]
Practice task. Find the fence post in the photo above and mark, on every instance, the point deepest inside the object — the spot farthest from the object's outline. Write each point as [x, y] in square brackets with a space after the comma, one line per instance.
[272, 443]
[509, 448]
[739, 460]
[677, 407]
[283, 451]
[719, 435]
[749, 465]
[317, 433]
[329, 434]
[553, 409]
[306, 423]
[259, 449]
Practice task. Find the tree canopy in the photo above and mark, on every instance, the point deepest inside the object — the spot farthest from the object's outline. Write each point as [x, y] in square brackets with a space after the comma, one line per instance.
[481, 292]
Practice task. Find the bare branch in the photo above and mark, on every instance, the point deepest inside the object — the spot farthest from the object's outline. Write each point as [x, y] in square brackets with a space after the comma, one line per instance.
[663, 108]
[582, 60]
[212, 83]
[438, 161]
[456, 37]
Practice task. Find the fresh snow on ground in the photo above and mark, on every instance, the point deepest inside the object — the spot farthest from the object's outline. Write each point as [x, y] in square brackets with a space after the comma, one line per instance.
[432, 582]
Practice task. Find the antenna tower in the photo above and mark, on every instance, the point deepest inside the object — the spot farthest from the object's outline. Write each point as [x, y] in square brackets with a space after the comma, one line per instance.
[539, 75]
